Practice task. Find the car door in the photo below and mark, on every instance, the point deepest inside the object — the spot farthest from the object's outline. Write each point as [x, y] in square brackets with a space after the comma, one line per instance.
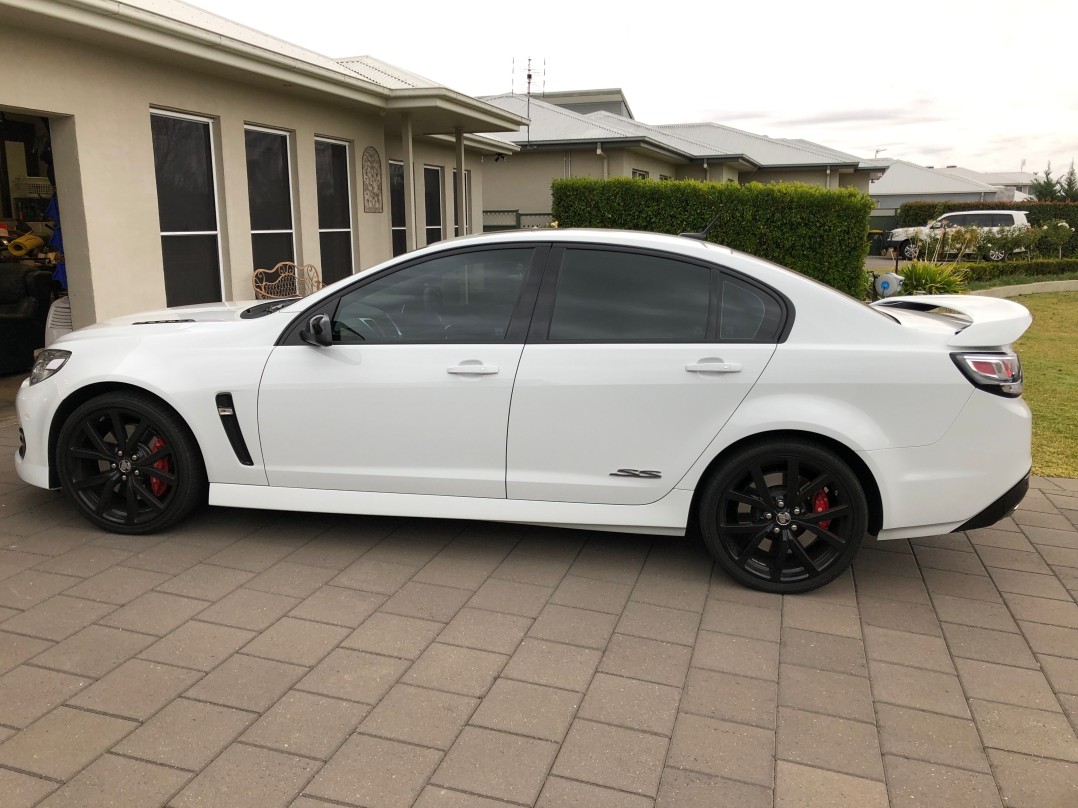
[634, 363]
[413, 394]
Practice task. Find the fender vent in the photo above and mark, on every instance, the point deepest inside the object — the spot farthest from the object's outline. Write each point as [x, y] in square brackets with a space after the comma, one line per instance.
[227, 410]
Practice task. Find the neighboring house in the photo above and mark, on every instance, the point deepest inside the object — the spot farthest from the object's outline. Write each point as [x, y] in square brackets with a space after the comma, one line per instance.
[189, 150]
[1012, 185]
[592, 133]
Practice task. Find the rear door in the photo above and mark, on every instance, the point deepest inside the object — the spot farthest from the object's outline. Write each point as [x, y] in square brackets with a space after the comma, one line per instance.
[634, 363]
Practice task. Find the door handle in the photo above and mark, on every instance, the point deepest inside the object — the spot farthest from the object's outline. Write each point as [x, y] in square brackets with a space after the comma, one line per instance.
[472, 370]
[714, 366]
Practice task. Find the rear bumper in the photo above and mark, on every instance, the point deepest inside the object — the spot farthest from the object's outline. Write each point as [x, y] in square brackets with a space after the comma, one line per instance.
[1000, 509]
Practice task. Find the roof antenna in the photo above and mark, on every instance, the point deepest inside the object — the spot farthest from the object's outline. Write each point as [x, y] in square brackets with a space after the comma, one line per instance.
[702, 235]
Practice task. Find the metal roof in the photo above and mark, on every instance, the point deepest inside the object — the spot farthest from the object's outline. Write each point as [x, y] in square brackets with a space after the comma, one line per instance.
[908, 179]
[550, 122]
[389, 76]
[991, 177]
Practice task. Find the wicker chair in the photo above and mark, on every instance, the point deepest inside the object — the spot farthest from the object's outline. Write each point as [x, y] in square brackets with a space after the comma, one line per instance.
[286, 280]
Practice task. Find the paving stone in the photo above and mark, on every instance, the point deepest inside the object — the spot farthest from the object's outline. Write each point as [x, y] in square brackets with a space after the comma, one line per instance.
[339, 606]
[976, 613]
[439, 797]
[294, 580]
[186, 734]
[1034, 781]
[198, 645]
[723, 748]
[723, 587]
[465, 671]
[511, 597]
[799, 786]
[170, 558]
[486, 631]
[1044, 520]
[114, 782]
[838, 694]
[904, 648]
[137, 689]
[1002, 558]
[427, 601]
[83, 562]
[63, 742]
[651, 660]
[255, 554]
[374, 771]
[206, 582]
[307, 724]
[1043, 610]
[393, 635]
[823, 652]
[370, 575]
[527, 709]
[739, 655]
[22, 790]
[852, 747]
[118, 585]
[930, 737]
[573, 626]
[944, 541]
[988, 646]
[1062, 673]
[728, 697]
[1020, 729]
[589, 593]
[953, 560]
[687, 789]
[553, 664]
[1055, 640]
[246, 608]
[57, 618]
[94, 651]
[957, 584]
[27, 693]
[528, 568]
[1037, 584]
[674, 592]
[659, 623]
[999, 539]
[334, 552]
[247, 683]
[1006, 684]
[16, 649]
[300, 642]
[916, 783]
[155, 613]
[631, 703]
[891, 587]
[741, 620]
[841, 591]
[462, 572]
[822, 617]
[613, 757]
[420, 716]
[354, 675]
[920, 689]
[898, 615]
[248, 777]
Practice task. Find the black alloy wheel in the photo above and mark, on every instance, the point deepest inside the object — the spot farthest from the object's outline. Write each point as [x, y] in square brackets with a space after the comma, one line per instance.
[130, 464]
[784, 516]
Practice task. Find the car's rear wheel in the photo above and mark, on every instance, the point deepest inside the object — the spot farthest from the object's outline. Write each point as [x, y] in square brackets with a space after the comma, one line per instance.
[783, 516]
[130, 464]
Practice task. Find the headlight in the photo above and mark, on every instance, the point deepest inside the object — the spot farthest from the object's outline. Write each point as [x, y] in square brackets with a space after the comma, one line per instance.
[48, 362]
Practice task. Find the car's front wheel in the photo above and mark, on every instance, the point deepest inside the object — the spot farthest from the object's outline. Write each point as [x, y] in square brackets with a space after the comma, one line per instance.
[995, 255]
[783, 516]
[129, 463]
[909, 250]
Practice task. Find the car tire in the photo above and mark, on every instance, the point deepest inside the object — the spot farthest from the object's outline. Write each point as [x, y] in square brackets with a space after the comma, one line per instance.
[909, 250]
[783, 516]
[130, 464]
[995, 255]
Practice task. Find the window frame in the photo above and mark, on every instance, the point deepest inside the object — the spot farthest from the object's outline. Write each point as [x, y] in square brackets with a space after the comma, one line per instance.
[348, 164]
[441, 205]
[640, 174]
[403, 228]
[289, 140]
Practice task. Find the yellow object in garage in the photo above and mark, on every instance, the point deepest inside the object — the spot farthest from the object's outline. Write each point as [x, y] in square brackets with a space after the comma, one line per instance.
[24, 244]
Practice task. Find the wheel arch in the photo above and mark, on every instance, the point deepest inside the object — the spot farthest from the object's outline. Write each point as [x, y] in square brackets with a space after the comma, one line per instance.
[79, 397]
[849, 457]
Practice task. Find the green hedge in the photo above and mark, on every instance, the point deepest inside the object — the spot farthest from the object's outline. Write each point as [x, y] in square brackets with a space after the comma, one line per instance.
[918, 214]
[989, 270]
[821, 233]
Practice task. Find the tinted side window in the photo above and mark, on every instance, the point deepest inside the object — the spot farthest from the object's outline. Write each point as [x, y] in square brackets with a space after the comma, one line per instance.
[747, 313]
[464, 297]
[621, 296]
[981, 219]
[1001, 220]
[957, 220]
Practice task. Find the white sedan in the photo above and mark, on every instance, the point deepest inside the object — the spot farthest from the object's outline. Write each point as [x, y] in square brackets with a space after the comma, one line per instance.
[600, 379]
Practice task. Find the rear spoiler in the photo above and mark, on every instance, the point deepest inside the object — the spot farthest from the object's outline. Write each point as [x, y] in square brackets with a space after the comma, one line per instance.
[993, 322]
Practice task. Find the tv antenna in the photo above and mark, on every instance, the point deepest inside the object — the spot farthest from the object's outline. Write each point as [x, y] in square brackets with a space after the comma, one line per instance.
[532, 76]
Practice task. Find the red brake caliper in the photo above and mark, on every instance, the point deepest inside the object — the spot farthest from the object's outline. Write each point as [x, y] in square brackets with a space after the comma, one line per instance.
[157, 485]
[821, 503]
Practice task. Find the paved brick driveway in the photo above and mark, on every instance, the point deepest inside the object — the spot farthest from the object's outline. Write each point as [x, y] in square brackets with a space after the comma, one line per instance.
[273, 659]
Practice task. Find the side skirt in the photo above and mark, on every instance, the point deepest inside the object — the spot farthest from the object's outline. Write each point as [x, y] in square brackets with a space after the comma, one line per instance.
[667, 517]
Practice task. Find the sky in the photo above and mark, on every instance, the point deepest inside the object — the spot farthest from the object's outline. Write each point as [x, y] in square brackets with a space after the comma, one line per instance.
[982, 84]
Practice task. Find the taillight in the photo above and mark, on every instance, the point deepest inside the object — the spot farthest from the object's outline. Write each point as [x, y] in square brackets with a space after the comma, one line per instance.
[999, 373]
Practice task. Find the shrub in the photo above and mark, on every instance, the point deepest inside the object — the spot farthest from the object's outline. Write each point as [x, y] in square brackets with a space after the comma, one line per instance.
[821, 233]
[920, 277]
[1047, 267]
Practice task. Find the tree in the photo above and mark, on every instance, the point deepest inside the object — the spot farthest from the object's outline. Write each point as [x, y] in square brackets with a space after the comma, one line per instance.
[1068, 186]
[1047, 189]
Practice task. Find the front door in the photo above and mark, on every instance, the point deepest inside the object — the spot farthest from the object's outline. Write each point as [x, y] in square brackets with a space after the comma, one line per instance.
[413, 395]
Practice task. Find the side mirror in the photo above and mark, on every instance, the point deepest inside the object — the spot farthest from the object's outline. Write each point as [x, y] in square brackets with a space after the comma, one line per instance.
[317, 332]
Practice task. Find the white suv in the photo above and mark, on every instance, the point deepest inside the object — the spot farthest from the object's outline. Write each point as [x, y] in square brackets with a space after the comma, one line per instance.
[903, 240]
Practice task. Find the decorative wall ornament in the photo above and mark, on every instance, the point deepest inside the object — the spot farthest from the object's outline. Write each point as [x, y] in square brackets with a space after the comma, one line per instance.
[372, 180]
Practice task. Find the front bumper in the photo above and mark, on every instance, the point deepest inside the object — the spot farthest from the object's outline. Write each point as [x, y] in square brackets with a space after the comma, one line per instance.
[36, 407]
[1000, 509]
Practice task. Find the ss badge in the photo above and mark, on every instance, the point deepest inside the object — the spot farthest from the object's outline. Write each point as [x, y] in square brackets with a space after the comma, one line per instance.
[637, 473]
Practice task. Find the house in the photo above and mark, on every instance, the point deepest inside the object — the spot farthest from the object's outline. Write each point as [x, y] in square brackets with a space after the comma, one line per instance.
[187, 150]
[592, 133]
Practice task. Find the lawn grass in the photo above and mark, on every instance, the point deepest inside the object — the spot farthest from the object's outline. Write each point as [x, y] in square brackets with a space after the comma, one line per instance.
[1049, 353]
[1015, 280]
